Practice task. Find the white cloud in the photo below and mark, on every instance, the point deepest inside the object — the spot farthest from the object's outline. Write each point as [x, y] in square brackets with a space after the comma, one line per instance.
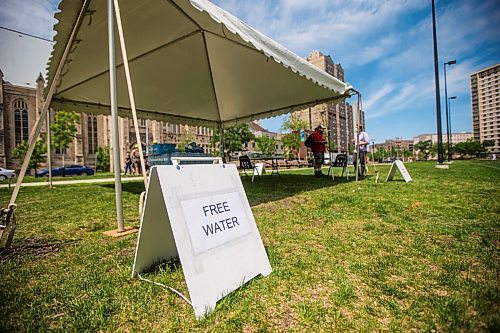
[304, 25]
[416, 92]
[378, 95]
[35, 17]
[465, 26]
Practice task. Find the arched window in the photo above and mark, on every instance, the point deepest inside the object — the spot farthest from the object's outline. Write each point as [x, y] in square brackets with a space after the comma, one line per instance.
[92, 133]
[21, 127]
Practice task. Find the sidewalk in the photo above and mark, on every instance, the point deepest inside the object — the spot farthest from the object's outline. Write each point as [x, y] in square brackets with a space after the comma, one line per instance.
[69, 182]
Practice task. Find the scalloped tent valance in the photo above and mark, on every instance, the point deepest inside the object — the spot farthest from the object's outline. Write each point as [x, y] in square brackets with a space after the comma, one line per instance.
[190, 61]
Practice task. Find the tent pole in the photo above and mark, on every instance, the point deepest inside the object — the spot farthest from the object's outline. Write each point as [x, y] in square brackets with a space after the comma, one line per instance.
[131, 92]
[221, 140]
[38, 125]
[114, 115]
[49, 153]
[356, 134]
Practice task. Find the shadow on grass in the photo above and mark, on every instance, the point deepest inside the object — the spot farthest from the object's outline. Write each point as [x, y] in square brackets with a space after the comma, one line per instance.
[131, 187]
[170, 265]
[273, 188]
[34, 247]
[269, 187]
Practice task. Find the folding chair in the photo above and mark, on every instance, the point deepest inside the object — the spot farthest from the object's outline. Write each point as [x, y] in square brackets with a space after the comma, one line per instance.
[340, 162]
[246, 164]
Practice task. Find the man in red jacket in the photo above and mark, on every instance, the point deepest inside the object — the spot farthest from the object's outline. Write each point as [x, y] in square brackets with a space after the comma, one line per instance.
[318, 149]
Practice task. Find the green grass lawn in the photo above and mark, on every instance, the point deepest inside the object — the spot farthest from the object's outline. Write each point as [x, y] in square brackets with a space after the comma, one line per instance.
[32, 179]
[346, 256]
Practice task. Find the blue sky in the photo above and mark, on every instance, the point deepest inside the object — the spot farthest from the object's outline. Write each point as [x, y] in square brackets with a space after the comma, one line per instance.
[384, 46]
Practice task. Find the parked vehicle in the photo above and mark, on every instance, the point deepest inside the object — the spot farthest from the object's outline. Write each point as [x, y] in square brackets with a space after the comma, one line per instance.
[6, 174]
[72, 170]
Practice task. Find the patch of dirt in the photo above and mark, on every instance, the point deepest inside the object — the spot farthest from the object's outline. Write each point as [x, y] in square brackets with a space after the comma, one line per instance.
[416, 205]
[33, 247]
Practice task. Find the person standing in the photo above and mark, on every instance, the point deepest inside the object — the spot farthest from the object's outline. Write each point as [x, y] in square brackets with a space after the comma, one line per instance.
[318, 149]
[128, 164]
[136, 161]
[363, 142]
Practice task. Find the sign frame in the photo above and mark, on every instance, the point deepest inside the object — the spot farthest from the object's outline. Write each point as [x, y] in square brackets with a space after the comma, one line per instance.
[210, 272]
[397, 164]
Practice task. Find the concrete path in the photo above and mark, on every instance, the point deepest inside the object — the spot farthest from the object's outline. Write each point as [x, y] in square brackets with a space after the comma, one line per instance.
[77, 181]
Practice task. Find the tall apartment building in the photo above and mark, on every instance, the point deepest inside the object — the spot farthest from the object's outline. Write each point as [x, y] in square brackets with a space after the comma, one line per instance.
[485, 97]
[361, 115]
[338, 118]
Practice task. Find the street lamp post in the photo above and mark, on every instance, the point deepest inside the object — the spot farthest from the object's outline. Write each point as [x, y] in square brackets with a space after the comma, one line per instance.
[448, 134]
[448, 119]
[373, 151]
[436, 81]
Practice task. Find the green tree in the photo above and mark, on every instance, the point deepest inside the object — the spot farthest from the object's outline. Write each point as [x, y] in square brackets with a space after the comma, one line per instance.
[351, 147]
[476, 148]
[36, 157]
[291, 140]
[64, 130]
[102, 159]
[380, 154]
[214, 142]
[185, 140]
[234, 139]
[266, 145]
[406, 154]
[460, 148]
[425, 147]
[469, 148]
[487, 144]
[331, 145]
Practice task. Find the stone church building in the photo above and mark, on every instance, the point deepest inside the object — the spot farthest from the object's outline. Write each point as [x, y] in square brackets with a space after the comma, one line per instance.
[20, 107]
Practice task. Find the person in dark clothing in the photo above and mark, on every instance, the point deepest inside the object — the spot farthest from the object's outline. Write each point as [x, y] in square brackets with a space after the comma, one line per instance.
[128, 164]
[318, 149]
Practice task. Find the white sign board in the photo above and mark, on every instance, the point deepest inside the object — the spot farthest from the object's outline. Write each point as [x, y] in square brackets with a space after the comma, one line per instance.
[402, 169]
[259, 169]
[200, 214]
[215, 221]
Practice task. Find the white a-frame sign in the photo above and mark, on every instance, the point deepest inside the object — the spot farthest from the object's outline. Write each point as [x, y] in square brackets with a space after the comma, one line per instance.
[397, 164]
[200, 213]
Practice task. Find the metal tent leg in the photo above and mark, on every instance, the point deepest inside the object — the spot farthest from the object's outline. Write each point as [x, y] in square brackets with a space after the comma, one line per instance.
[114, 113]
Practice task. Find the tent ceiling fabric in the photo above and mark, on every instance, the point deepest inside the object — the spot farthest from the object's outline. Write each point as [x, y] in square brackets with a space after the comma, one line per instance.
[190, 62]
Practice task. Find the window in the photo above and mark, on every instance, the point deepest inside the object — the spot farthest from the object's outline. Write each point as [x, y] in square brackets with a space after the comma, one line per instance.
[92, 133]
[21, 121]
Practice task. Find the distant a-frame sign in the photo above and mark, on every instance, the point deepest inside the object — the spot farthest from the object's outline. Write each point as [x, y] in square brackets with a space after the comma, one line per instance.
[200, 213]
[398, 165]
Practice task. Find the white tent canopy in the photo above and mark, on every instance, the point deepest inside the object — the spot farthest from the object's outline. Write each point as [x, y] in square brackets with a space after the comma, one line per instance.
[190, 61]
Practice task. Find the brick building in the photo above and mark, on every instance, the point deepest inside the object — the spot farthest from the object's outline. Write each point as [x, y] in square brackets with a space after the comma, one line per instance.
[338, 118]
